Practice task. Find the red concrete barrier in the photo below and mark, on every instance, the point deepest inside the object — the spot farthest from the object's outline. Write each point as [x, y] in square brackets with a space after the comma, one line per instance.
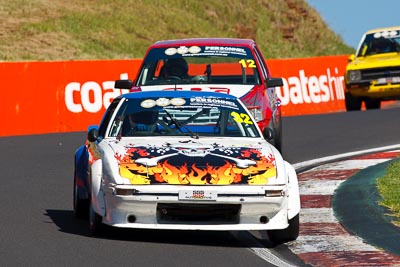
[47, 97]
[65, 96]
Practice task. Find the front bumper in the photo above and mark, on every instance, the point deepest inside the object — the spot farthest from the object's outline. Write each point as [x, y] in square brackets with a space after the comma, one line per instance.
[381, 82]
[374, 90]
[232, 208]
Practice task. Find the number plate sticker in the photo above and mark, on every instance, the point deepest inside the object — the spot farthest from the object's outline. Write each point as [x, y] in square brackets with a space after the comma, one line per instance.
[202, 195]
[388, 80]
[395, 80]
[382, 81]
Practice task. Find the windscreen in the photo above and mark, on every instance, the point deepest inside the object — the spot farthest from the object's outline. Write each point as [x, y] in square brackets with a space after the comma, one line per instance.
[380, 43]
[195, 117]
[199, 64]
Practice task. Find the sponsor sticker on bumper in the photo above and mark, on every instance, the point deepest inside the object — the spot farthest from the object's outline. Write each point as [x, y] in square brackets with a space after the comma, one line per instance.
[388, 80]
[205, 195]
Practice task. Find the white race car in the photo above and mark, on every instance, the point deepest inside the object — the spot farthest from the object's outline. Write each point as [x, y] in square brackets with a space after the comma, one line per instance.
[184, 161]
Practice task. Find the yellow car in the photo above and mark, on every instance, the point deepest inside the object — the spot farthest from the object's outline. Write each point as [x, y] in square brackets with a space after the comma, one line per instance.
[373, 72]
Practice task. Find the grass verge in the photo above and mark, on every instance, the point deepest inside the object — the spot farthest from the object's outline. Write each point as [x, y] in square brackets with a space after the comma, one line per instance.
[47, 30]
[389, 189]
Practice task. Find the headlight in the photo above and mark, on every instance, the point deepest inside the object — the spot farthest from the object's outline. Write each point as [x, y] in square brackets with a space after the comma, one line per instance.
[354, 75]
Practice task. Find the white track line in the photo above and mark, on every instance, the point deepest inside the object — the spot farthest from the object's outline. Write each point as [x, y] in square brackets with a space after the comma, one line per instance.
[323, 160]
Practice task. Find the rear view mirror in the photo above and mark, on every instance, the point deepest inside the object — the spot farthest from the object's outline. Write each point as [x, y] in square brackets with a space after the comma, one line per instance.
[123, 84]
[268, 134]
[274, 82]
[93, 135]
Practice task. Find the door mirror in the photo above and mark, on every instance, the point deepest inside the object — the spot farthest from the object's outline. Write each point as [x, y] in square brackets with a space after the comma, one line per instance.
[268, 134]
[93, 135]
[123, 84]
[274, 82]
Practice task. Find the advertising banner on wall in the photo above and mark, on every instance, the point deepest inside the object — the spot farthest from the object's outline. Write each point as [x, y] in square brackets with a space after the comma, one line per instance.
[67, 96]
[311, 85]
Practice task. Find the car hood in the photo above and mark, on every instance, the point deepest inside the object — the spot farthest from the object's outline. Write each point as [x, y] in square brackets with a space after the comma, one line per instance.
[375, 61]
[205, 161]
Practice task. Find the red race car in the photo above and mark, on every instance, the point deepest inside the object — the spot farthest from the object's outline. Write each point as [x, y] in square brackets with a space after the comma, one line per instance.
[227, 65]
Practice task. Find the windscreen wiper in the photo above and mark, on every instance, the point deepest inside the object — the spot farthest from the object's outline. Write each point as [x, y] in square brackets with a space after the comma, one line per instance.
[179, 126]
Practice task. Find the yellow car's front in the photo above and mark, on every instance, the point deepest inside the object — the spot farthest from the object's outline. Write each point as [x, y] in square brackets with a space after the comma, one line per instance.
[373, 72]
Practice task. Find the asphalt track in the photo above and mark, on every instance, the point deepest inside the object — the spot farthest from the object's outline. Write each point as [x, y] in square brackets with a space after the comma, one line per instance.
[38, 228]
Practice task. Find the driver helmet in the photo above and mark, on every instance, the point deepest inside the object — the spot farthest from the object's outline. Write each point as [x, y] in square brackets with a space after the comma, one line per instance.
[176, 67]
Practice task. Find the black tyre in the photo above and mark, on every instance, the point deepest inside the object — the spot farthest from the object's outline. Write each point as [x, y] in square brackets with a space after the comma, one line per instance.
[285, 235]
[96, 227]
[352, 102]
[81, 206]
[278, 137]
[274, 135]
[372, 103]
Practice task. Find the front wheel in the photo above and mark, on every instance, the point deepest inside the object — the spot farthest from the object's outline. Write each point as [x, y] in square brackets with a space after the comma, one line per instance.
[278, 137]
[353, 103]
[372, 103]
[285, 235]
[96, 227]
[81, 206]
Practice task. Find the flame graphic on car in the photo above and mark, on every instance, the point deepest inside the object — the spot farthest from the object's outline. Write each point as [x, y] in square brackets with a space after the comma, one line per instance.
[257, 170]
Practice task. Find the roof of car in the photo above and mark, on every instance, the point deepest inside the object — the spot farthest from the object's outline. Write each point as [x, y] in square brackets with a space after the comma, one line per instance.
[204, 41]
[183, 94]
[383, 29]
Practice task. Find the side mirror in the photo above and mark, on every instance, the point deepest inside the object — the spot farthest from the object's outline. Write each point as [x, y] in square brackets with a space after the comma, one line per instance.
[123, 84]
[268, 134]
[93, 135]
[351, 58]
[274, 82]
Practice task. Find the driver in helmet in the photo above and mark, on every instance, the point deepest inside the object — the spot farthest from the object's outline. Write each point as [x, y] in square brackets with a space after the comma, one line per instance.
[176, 68]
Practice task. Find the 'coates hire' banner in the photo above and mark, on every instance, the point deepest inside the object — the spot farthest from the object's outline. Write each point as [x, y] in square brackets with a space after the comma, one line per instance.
[66, 96]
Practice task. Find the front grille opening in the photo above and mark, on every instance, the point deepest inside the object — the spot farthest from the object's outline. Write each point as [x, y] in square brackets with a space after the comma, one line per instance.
[374, 74]
[182, 213]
